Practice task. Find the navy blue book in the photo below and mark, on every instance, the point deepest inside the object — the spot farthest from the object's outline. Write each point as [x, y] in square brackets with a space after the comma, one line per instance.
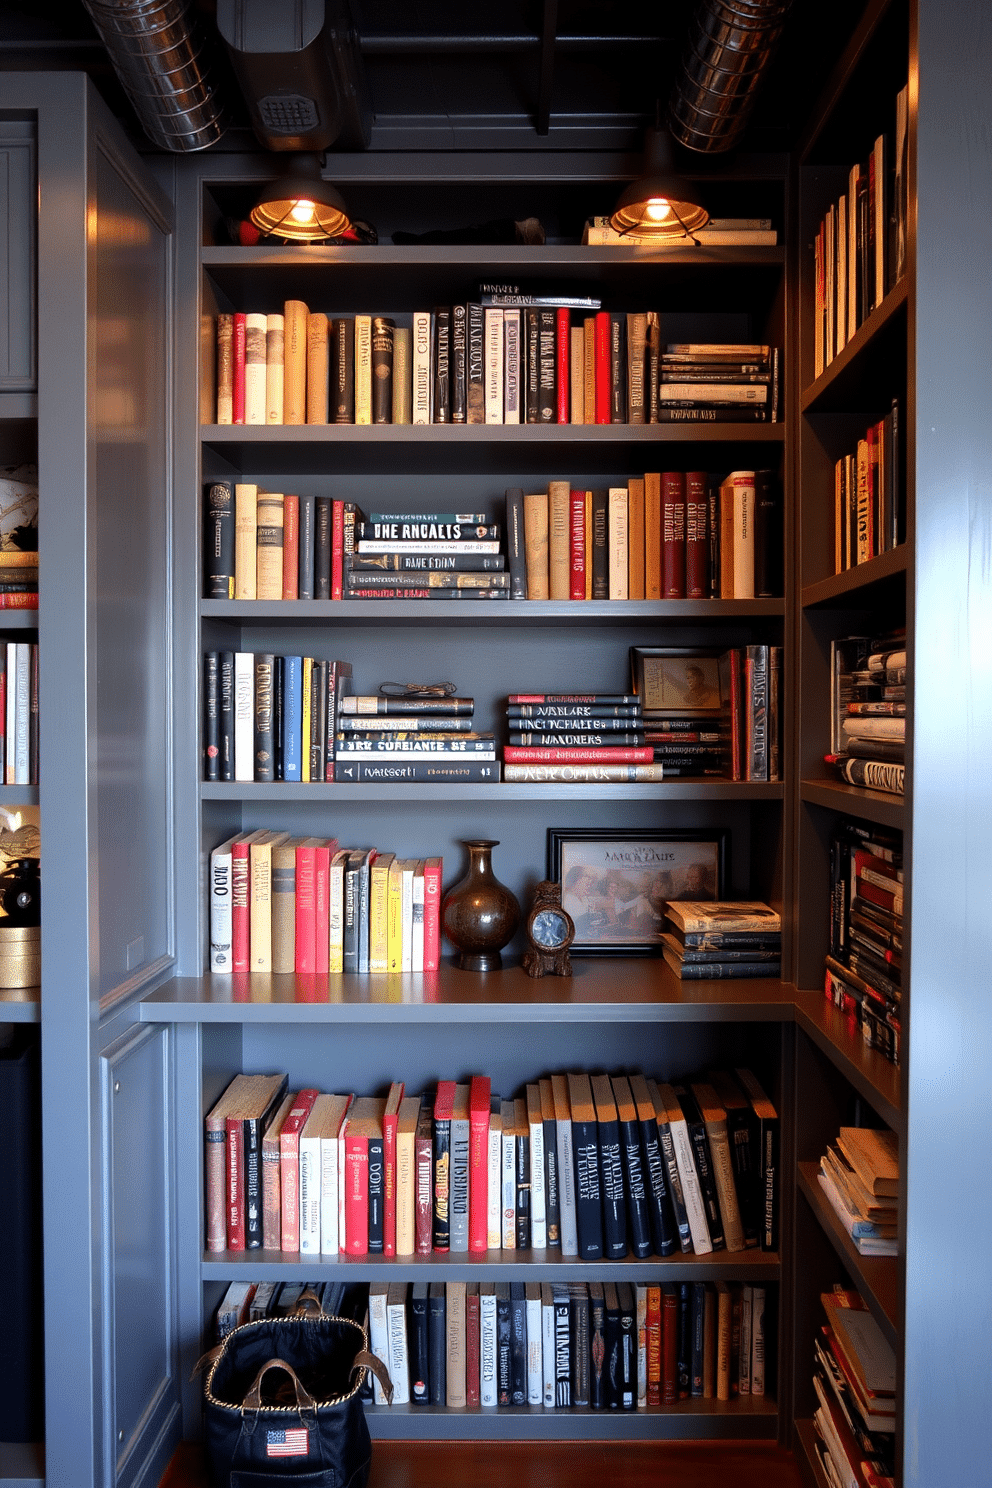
[635, 1180]
[628, 1346]
[419, 1344]
[684, 1354]
[585, 1149]
[218, 541]
[697, 1328]
[518, 1342]
[377, 1194]
[661, 1216]
[437, 1334]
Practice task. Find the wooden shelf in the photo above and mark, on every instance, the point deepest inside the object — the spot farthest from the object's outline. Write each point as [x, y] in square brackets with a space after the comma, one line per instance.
[809, 1462]
[748, 1418]
[529, 612]
[857, 586]
[840, 383]
[696, 788]
[869, 1072]
[877, 1277]
[883, 807]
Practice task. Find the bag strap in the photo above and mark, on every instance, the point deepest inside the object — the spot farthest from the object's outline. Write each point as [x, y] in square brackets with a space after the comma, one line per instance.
[365, 1360]
[308, 1305]
[205, 1360]
[253, 1399]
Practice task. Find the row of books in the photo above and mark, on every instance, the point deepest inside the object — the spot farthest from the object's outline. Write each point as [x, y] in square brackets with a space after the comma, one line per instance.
[269, 717]
[864, 961]
[859, 251]
[589, 1166]
[868, 712]
[859, 1174]
[868, 501]
[302, 905]
[19, 712]
[855, 1382]
[722, 938]
[595, 1345]
[485, 362]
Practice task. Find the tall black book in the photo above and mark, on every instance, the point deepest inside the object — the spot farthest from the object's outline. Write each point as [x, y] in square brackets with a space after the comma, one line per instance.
[768, 532]
[585, 1150]
[768, 1138]
[683, 1362]
[515, 548]
[563, 1349]
[635, 1181]
[322, 548]
[697, 1329]
[459, 365]
[442, 366]
[226, 715]
[610, 1169]
[211, 715]
[600, 549]
[532, 381]
[418, 1335]
[307, 520]
[504, 1345]
[437, 1336]
[218, 541]
[618, 368]
[674, 1181]
[377, 1193]
[518, 1342]
[343, 374]
[628, 1346]
[279, 718]
[382, 370]
[597, 1344]
[265, 666]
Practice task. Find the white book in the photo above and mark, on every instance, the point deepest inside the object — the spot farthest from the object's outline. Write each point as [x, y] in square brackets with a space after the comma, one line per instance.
[220, 907]
[379, 1335]
[10, 730]
[330, 1240]
[417, 920]
[494, 366]
[691, 1192]
[309, 1193]
[422, 367]
[508, 1180]
[548, 1344]
[275, 330]
[255, 368]
[512, 362]
[244, 715]
[538, 1211]
[399, 1362]
[487, 1343]
[566, 1179]
[406, 913]
[494, 1209]
[535, 1344]
[757, 1340]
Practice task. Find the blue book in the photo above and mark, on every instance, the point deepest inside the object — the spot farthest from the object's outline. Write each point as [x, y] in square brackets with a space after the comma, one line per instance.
[292, 718]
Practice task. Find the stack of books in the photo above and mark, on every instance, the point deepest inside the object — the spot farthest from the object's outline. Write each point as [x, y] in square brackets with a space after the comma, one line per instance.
[859, 1173]
[868, 716]
[721, 382]
[19, 537]
[421, 739]
[722, 938]
[575, 738]
[424, 555]
[868, 495]
[855, 1383]
[864, 962]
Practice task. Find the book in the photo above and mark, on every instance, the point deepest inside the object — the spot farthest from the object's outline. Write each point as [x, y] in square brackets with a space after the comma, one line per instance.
[478, 1163]
[319, 1175]
[418, 1347]
[424, 1178]
[487, 1344]
[460, 1141]
[441, 1165]
[585, 1145]
[536, 1174]
[437, 1335]
[610, 1169]
[635, 1183]
[536, 545]
[664, 1231]
[473, 1344]
[289, 1167]
[768, 1139]
[455, 1346]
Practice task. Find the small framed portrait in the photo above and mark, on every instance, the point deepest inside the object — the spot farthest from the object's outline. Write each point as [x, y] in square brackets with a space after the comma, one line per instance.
[615, 884]
[677, 681]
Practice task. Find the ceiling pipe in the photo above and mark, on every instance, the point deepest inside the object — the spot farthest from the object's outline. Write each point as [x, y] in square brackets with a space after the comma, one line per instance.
[158, 52]
[729, 47]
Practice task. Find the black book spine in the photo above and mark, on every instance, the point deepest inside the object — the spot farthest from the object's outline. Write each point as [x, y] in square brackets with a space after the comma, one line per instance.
[552, 1201]
[546, 367]
[580, 1346]
[713, 524]
[664, 1231]
[588, 1205]
[211, 715]
[459, 365]
[611, 1351]
[600, 547]
[769, 1178]
[518, 1343]
[767, 536]
[306, 570]
[683, 1363]
[618, 369]
[377, 1194]
[597, 1345]
[504, 1345]
[438, 1344]
[318, 719]
[322, 548]
[675, 1187]
[563, 1349]
[382, 370]
[343, 376]
[515, 546]
[442, 367]
[279, 717]
[522, 1153]
[419, 1346]
[611, 1184]
[218, 541]
[442, 1184]
[639, 1224]
[475, 387]
[226, 715]
[696, 1338]
[628, 1346]
[265, 665]
[532, 383]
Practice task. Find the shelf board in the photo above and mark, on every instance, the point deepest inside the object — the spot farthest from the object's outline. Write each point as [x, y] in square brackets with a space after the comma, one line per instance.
[22, 1465]
[20, 1005]
[529, 612]
[699, 788]
[18, 620]
[608, 990]
[18, 795]
[869, 1072]
[809, 1462]
[877, 1277]
[749, 1417]
[834, 386]
[474, 257]
[18, 406]
[853, 588]
[883, 807]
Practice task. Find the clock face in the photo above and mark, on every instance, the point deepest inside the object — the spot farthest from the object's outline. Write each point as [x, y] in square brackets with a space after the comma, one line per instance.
[550, 929]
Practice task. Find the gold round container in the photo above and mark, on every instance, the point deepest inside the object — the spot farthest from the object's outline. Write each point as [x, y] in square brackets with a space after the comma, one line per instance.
[20, 955]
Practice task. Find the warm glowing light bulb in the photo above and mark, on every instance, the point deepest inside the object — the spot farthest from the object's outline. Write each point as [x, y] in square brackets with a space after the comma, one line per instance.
[302, 211]
[657, 209]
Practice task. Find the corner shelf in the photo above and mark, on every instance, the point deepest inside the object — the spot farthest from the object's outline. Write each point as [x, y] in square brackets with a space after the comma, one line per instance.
[846, 376]
[853, 587]
[883, 807]
[869, 1072]
[877, 1277]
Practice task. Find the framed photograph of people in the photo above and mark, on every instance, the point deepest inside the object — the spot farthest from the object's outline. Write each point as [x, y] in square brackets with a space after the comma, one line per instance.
[615, 883]
[677, 681]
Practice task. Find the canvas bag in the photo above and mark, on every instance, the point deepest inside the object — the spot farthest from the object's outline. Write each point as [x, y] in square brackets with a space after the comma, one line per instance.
[282, 1405]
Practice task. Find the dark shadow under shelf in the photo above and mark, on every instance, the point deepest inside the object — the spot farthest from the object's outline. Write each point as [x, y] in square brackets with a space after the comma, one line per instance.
[883, 807]
[877, 1277]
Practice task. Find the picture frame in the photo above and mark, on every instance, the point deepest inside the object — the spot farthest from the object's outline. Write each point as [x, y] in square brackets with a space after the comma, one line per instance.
[615, 882]
[678, 681]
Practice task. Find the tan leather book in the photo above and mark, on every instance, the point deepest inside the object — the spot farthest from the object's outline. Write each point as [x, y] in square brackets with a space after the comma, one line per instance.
[363, 369]
[269, 518]
[402, 376]
[284, 904]
[559, 539]
[635, 530]
[637, 332]
[317, 368]
[294, 391]
[652, 535]
[260, 902]
[718, 1141]
[406, 1195]
[455, 1343]
[246, 540]
[536, 545]
[578, 374]
[208, 369]
[225, 369]
[589, 359]
[274, 353]
[254, 369]
[618, 542]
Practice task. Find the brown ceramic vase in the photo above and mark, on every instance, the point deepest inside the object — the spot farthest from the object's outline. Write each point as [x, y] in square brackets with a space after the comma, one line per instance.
[479, 915]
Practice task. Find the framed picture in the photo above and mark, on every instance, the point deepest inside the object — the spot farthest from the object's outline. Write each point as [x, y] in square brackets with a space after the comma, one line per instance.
[677, 681]
[615, 883]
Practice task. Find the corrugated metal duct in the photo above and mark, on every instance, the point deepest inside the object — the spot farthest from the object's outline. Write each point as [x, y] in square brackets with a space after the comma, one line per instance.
[729, 47]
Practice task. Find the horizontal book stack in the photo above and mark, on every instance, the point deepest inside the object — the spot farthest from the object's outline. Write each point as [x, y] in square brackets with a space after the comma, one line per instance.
[422, 739]
[859, 1173]
[719, 232]
[864, 962]
[859, 251]
[718, 382]
[855, 1382]
[19, 712]
[576, 738]
[722, 938]
[286, 904]
[868, 501]
[269, 717]
[579, 1166]
[868, 713]
[424, 555]
[19, 537]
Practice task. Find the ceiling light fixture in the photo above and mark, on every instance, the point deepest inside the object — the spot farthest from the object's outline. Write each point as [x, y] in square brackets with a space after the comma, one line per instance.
[301, 205]
[660, 205]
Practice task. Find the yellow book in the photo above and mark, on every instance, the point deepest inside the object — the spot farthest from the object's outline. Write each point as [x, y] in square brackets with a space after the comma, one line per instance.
[536, 544]
[589, 330]
[246, 540]
[577, 368]
[378, 917]
[363, 369]
[395, 916]
[260, 907]
[559, 539]
[294, 378]
[406, 1185]
[652, 535]
[305, 727]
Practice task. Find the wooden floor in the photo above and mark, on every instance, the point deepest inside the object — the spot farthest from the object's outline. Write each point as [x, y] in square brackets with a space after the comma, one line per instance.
[572, 1465]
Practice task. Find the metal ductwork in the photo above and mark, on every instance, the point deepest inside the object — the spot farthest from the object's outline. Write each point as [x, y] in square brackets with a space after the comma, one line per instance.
[729, 47]
[157, 51]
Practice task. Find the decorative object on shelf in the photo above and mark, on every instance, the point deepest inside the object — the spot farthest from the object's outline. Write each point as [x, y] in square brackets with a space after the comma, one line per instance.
[616, 884]
[550, 930]
[20, 898]
[677, 681]
[480, 915]
[301, 205]
[418, 689]
[660, 204]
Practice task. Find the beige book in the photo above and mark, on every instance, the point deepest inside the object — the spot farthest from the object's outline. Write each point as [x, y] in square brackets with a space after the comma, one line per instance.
[318, 367]
[577, 379]
[269, 513]
[455, 1341]
[402, 376]
[635, 540]
[254, 369]
[260, 907]
[737, 535]
[406, 1186]
[559, 539]
[378, 900]
[274, 353]
[536, 544]
[294, 388]
[589, 337]
[617, 542]
[225, 369]
[874, 1156]
[718, 1140]
[652, 535]
[246, 541]
[637, 333]
[363, 369]
[208, 369]
[284, 904]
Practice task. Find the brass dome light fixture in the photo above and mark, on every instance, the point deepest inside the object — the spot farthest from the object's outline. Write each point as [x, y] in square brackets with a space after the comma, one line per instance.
[301, 205]
[661, 205]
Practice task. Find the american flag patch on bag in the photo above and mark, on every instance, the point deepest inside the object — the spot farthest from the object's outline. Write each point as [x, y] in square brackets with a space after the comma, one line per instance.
[292, 1443]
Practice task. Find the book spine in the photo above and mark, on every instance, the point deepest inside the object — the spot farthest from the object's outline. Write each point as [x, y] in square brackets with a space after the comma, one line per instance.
[494, 368]
[402, 411]
[363, 369]
[603, 368]
[512, 366]
[577, 550]
[636, 341]
[459, 365]
[476, 365]
[441, 367]
[559, 540]
[318, 368]
[547, 362]
[225, 369]
[563, 356]
[487, 1346]
[636, 1186]
[612, 1188]
[673, 535]
[588, 1204]
[459, 1206]
[343, 379]
[618, 369]
[295, 317]
[239, 337]
[382, 370]
[376, 1194]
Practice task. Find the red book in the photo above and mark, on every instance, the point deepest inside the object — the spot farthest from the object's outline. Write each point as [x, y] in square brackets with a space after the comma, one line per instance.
[575, 754]
[289, 1167]
[669, 1344]
[577, 544]
[432, 913]
[363, 1122]
[423, 1158]
[479, 1100]
[235, 1149]
[734, 691]
[18, 601]
[390, 1122]
[305, 906]
[290, 547]
[604, 412]
[652, 1339]
[322, 903]
[240, 910]
[563, 366]
[697, 546]
[473, 1341]
[238, 368]
[337, 549]
[673, 535]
